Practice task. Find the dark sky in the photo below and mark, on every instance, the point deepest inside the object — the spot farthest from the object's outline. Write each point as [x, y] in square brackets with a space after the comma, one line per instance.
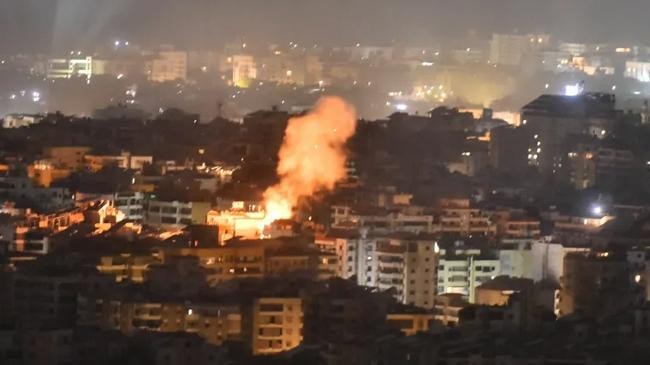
[43, 25]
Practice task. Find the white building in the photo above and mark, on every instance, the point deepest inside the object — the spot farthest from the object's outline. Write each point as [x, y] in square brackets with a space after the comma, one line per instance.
[516, 258]
[638, 70]
[461, 270]
[20, 120]
[129, 203]
[407, 266]
[547, 261]
[65, 68]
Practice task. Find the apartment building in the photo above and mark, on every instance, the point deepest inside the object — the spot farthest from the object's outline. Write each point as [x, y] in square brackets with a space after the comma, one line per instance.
[405, 266]
[462, 269]
[174, 214]
[277, 325]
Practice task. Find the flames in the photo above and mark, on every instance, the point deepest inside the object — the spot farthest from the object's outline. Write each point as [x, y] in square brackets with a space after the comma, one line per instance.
[312, 156]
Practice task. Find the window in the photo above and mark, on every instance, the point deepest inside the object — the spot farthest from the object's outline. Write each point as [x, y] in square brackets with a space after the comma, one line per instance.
[169, 210]
[271, 308]
[168, 220]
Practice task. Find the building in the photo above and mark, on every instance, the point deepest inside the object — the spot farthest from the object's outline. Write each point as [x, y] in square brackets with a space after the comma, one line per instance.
[237, 223]
[128, 203]
[297, 259]
[277, 325]
[638, 70]
[508, 150]
[600, 166]
[595, 284]
[510, 49]
[169, 65]
[174, 214]
[407, 219]
[67, 157]
[458, 217]
[32, 241]
[550, 119]
[410, 324]
[343, 311]
[214, 322]
[291, 70]
[244, 70]
[447, 308]
[20, 120]
[44, 173]
[404, 265]
[461, 269]
[259, 258]
[126, 267]
[547, 262]
[498, 291]
[125, 160]
[46, 299]
[45, 199]
[46, 346]
[65, 68]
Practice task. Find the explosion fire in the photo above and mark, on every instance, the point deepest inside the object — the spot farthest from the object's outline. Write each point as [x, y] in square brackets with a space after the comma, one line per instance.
[312, 156]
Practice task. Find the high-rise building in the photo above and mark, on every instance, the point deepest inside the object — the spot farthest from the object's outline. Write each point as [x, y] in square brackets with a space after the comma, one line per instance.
[550, 119]
[406, 266]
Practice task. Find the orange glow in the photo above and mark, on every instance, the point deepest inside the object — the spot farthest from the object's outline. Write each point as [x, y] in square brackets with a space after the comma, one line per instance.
[312, 156]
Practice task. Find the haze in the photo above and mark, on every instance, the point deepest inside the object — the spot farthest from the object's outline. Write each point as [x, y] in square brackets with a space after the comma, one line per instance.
[44, 26]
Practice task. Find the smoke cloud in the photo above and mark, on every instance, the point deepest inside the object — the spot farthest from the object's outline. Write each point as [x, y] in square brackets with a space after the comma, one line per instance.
[312, 156]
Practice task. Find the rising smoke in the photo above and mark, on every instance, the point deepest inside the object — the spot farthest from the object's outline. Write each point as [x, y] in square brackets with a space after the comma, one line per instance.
[312, 156]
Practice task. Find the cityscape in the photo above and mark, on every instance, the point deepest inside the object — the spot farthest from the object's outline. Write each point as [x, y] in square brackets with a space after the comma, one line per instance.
[327, 183]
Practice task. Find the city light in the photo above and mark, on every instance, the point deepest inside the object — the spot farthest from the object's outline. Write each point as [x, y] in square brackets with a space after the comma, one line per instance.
[573, 90]
[597, 210]
[401, 107]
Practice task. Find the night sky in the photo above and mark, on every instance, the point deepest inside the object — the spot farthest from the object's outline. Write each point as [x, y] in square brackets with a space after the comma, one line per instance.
[47, 25]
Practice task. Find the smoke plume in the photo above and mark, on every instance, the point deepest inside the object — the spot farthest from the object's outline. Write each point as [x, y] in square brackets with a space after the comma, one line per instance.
[312, 156]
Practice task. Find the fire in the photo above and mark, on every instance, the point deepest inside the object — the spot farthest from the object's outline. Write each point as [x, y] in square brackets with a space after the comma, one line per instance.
[312, 156]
